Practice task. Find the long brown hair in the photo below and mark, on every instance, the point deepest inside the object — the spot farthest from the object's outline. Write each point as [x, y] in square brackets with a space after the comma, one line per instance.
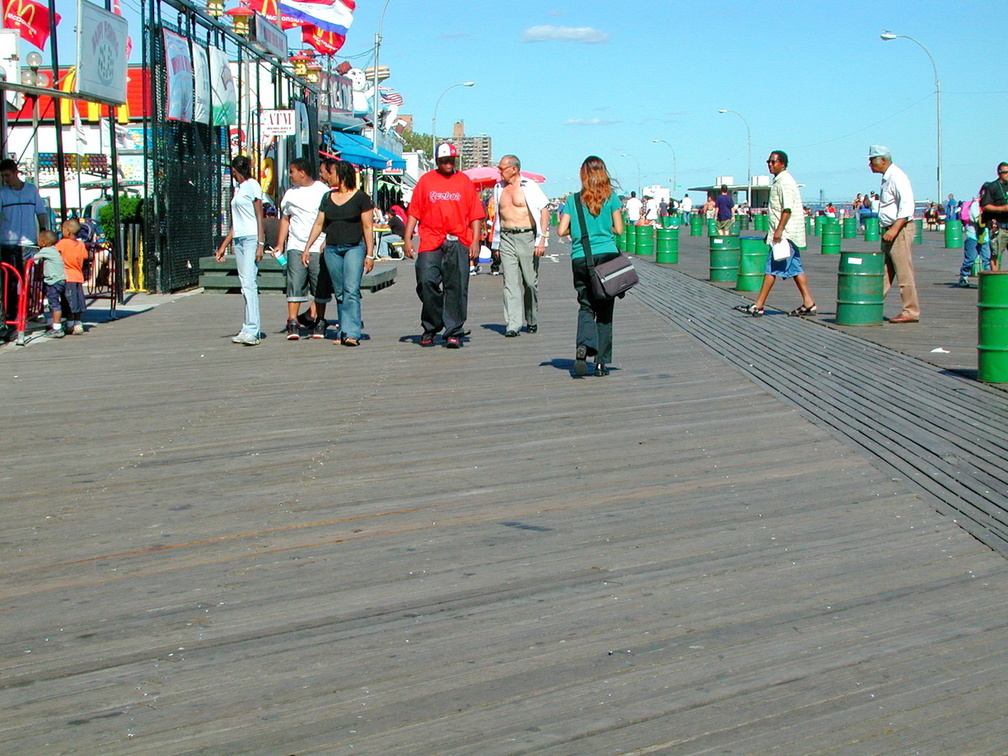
[596, 186]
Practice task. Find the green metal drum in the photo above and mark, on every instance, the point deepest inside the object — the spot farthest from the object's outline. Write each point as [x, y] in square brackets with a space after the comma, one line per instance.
[871, 229]
[808, 225]
[752, 262]
[953, 235]
[711, 227]
[761, 222]
[696, 225]
[724, 258]
[919, 230]
[630, 239]
[667, 246]
[860, 282]
[621, 240]
[831, 240]
[850, 228]
[645, 240]
[992, 327]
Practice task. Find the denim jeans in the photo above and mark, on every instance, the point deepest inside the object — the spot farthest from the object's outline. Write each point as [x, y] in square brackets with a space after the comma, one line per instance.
[346, 266]
[970, 251]
[248, 269]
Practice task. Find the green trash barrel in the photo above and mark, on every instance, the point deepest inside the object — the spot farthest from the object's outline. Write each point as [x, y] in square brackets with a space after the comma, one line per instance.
[724, 258]
[711, 227]
[621, 240]
[831, 240]
[665, 221]
[808, 225]
[953, 235]
[554, 218]
[850, 228]
[761, 223]
[752, 263]
[696, 225]
[667, 243]
[645, 240]
[871, 229]
[860, 282]
[919, 230]
[992, 327]
[630, 239]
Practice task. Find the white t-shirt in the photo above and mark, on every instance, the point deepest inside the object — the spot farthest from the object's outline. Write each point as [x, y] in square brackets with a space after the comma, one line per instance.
[686, 205]
[652, 209]
[633, 209]
[243, 214]
[301, 205]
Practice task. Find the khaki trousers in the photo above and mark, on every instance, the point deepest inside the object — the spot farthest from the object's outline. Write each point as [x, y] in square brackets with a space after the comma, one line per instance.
[899, 265]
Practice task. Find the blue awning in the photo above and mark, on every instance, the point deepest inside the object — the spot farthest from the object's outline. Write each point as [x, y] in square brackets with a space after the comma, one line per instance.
[356, 152]
[397, 163]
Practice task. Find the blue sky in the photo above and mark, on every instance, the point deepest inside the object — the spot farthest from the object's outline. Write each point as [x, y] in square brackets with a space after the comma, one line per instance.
[557, 81]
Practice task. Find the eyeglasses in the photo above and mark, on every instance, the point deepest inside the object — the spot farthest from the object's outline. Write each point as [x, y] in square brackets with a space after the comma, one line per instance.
[1005, 171]
[503, 168]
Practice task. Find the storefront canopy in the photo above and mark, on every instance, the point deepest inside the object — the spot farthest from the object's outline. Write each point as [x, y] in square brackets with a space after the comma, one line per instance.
[357, 152]
[397, 163]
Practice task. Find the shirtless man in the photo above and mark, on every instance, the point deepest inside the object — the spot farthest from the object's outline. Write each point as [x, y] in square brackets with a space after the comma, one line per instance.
[520, 232]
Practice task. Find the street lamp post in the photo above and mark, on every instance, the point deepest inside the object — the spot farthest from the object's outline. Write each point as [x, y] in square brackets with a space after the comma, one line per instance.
[433, 137]
[748, 192]
[639, 187]
[674, 168]
[376, 96]
[888, 35]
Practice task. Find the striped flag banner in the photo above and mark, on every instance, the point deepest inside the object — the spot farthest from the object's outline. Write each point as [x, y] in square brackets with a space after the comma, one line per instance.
[390, 97]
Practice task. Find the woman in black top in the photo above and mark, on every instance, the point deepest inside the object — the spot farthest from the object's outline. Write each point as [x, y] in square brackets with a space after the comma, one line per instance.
[345, 217]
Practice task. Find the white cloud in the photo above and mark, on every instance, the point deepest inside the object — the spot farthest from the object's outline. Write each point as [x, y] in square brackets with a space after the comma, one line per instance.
[588, 122]
[583, 34]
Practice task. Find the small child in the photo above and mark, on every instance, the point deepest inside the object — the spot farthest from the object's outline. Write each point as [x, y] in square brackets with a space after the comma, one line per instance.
[74, 254]
[54, 273]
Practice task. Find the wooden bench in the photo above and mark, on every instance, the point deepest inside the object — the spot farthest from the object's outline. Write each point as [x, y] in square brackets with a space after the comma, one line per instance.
[223, 276]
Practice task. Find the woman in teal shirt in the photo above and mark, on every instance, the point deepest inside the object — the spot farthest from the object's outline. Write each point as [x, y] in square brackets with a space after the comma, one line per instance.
[603, 218]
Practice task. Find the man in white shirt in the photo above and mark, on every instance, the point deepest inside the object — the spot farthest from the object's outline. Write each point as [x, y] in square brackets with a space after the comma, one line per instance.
[633, 209]
[686, 206]
[651, 210]
[298, 210]
[520, 232]
[896, 212]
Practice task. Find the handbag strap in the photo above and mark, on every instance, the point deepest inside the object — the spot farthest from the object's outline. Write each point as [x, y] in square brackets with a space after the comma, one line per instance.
[585, 244]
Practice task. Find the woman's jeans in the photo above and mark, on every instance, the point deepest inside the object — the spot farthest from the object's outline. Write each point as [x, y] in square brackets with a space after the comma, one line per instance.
[248, 269]
[594, 326]
[346, 266]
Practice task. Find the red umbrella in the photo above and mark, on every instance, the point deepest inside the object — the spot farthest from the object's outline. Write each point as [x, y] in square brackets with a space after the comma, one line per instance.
[486, 175]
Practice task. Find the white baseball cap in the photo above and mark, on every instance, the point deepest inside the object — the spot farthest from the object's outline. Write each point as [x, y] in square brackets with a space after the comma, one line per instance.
[445, 150]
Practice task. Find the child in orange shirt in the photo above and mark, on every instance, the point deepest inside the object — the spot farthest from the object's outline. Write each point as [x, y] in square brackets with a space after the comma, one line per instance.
[74, 253]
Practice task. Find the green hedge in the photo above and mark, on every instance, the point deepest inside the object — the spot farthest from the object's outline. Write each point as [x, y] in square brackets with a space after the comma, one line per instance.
[130, 211]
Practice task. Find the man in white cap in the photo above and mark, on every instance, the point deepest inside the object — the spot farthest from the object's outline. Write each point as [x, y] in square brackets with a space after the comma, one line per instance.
[446, 205]
[896, 212]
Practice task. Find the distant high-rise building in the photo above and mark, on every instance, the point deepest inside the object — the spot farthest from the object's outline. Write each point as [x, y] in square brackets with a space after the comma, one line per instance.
[474, 150]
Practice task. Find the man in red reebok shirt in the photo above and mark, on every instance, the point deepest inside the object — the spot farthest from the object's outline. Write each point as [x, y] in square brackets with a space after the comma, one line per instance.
[449, 211]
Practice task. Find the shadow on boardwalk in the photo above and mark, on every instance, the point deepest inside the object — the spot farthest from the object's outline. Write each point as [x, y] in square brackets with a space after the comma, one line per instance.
[302, 548]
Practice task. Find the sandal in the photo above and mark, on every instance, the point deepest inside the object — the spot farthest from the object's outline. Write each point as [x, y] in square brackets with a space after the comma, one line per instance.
[349, 341]
[803, 310]
[751, 309]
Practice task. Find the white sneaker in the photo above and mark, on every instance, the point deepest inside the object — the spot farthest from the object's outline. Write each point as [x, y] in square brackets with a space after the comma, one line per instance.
[239, 338]
[78, 329]
[246, 339]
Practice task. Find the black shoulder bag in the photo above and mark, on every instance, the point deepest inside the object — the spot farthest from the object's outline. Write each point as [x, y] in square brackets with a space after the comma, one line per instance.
[610, 279]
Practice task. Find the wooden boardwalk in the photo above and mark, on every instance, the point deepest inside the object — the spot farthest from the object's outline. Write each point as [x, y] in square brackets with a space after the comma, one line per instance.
[306, 549]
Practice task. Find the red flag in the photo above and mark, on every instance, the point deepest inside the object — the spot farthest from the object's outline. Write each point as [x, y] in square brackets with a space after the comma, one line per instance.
[29, 19]
[326, 42]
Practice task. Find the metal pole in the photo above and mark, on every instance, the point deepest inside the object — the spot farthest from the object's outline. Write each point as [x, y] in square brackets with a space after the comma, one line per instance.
[433, 138]
[57, 119]
[674, 168]
[888, 35]
[748, 154]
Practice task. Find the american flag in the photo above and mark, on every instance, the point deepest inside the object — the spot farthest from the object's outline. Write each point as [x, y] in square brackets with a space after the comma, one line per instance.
[390, 97]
